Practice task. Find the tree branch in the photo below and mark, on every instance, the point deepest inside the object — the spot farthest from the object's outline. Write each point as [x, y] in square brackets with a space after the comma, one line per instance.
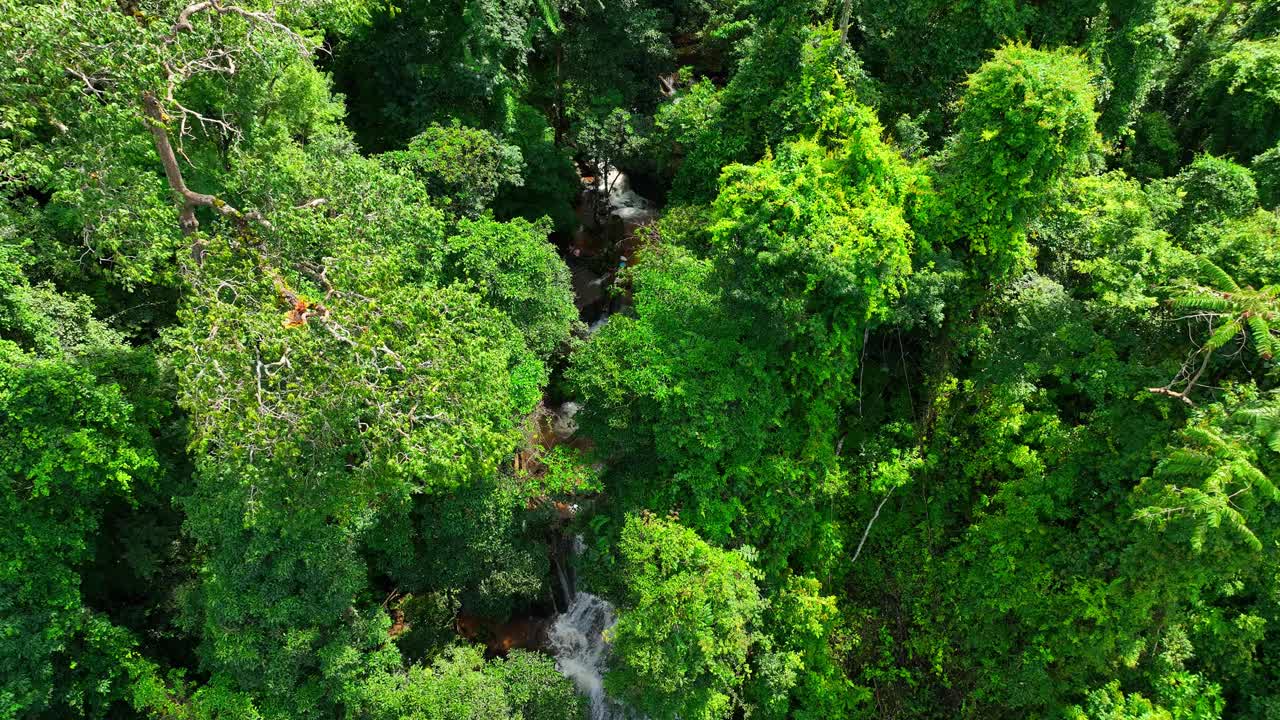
[189, 199]
[183, 23]
[1184, 395]
[845, 13]
[869, 524]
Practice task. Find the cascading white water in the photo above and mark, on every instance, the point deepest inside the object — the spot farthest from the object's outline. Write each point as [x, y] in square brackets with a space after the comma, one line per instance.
[577, 640]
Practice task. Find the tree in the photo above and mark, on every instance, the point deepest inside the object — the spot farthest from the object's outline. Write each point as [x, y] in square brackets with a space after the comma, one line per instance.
[732, 374]
[1026, 120]
[1215, 189]
[518, 272]
[686, 623]
[75, 443]
[1235, 102]
[462, 168]
[1139, 45]
[922, 50]
[789, 80]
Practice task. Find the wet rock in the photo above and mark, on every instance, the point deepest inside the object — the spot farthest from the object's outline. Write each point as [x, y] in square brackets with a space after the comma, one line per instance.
[562, 422]
[588, 287]
[625, 205]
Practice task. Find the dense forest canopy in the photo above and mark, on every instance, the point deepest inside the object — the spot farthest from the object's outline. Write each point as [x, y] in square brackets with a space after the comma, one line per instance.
[555, 359]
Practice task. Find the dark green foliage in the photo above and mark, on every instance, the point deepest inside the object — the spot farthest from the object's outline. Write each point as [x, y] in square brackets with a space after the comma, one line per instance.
[1237, 102]
[74, 445]
[1266, 173]
[609, 56]
[462, 168]
[431, 61]
[550, 183]
[1153, 150]
[505, 565]
[1138, 46]
[921, 50]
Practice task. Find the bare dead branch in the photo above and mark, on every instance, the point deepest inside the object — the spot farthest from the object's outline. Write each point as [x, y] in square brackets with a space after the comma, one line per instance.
[1185, 393]
[1170, 393]
[189, 199]
[870, 522]
[183, 23]
[88, 82]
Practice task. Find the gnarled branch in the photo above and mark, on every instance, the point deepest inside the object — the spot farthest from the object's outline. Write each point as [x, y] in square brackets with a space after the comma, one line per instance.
[189, 199]
[183, 23]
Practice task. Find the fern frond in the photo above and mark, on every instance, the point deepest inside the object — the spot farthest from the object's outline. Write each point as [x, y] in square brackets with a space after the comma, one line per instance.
[1223, 335]
[1217, 276]
[1264, 417]
[1202, 301]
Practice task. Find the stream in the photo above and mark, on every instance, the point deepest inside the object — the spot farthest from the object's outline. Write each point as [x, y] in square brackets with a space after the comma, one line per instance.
[576, 639]
[609, 213]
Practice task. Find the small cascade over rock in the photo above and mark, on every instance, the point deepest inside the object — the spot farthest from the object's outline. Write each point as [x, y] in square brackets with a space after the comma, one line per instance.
[612, 216]
[577, 640]
[622, 202]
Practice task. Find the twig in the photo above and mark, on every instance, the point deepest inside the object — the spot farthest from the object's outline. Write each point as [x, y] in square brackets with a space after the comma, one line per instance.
[869, 524]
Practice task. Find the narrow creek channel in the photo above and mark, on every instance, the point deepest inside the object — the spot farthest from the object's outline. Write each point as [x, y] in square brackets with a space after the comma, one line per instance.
[609, 213]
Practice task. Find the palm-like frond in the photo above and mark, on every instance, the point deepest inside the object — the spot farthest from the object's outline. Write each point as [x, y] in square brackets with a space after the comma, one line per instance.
[1186, 464]
[1206, 438]
[1223, 335]
[1266, 421]
[1205, 478]
[1218, 277]
[1241, 309]
[551, 16]
[1203, 301]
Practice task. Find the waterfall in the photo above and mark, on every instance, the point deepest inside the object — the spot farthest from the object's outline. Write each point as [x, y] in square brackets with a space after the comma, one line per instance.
[577, 640]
